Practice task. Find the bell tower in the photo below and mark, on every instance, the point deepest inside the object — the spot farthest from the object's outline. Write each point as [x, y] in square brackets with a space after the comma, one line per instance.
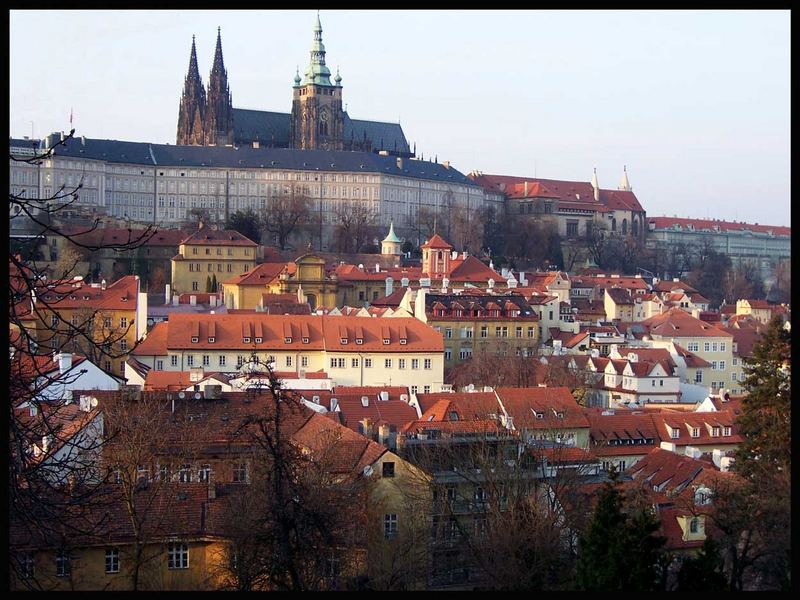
[317, 118]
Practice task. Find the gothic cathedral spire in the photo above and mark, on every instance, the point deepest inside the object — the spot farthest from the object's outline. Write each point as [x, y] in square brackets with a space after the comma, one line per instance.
[219, 112]
[192, 109]
[317, 118]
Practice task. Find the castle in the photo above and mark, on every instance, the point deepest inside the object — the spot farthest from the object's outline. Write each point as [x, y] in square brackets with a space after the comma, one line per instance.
[316, 122]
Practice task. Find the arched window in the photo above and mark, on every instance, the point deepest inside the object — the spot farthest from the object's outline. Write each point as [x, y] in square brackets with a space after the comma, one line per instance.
[624, 226]
[694, 525]
[312, 301]
[613, 224]
[635, 227]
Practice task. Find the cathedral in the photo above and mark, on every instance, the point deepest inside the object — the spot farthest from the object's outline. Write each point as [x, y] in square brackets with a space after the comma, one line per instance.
[316, 122]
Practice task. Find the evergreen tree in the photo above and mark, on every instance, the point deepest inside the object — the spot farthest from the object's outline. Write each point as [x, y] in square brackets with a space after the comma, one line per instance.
[766, 417]
[619, 552]
[246, 222]
[703, 572]
[214, 283]
[208, 283]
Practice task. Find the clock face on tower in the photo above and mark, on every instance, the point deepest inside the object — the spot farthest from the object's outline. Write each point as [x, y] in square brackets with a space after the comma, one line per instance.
[323, 116]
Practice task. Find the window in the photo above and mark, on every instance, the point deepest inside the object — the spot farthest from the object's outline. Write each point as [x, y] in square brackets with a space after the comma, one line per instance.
[465, 353]
[367, 363]
[448, 354]
[112, 560]
[694, 525]
[735, 362]
[518, 331]
[414, 389]
[185, 474]
[74, 320]
[62, 564]
[288, 361]
[195, 339]
[221, 360]
[448, 332]
[106, 321]
[354, 363]
[707, 347]
[695, 432]
[427, 363]
[54, 321]
[714, 346]
[178, 556]
[726, 431]
[715, 431]
[173, 360]
[159, 365]
[258, 340]
[303, 361]
[388, 469]
[693, 347]
[401, 363]
[206, 360]
[27, 564]
[123, 344]
[390, 526]
[190, 360]
[194, 286]
[415, 363]
[722, 365]
[123, 322]
[733, 376]
[698, 377]
[484, 331]
[674, 433]
[722, 346]
[240, 472]
[530, 332]
[211, 340]
[387, 363]
[426, 389]
[204, 473]
[713, 365]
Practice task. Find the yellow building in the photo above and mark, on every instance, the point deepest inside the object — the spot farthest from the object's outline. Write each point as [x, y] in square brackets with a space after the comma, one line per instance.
[113, 317]
[351, 350]
[761, 310]
[211, 255]
[480, 324]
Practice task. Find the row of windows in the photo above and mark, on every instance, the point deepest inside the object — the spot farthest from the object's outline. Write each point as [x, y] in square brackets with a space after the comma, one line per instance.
[499, 331]
[186, 473]
[340, 363]
[196, 267]
[177, 558]
[707, 347]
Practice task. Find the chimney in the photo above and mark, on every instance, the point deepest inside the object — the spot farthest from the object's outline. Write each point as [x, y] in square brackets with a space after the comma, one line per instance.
[526, 188]
[167, 293]
[103, 284]
[334, 404]
[389, 285]
[83, 140]
[377, 268]
[366, 427]
[200, 224]
[383, 435]
[64, 362]
[175, 300]
[399, 162]
[668, 446]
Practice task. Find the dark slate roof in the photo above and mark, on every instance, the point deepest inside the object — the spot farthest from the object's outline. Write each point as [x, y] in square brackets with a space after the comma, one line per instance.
[23, 143]
[390, 134]
[167, 155]
[269, 128]
[274, 129]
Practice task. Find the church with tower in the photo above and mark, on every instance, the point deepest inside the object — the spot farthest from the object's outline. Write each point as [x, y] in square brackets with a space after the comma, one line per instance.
[317, 120]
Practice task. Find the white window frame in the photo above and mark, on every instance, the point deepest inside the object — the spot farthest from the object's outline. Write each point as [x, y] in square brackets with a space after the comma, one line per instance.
[178, 556]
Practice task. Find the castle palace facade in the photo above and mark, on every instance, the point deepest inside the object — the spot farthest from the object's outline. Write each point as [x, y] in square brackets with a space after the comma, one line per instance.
[317, 120]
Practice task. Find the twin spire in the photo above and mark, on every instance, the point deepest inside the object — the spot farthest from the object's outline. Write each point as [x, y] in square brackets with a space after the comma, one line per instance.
[206, 119]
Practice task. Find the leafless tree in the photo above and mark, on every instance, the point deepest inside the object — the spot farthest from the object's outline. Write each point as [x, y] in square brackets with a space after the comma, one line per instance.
[284, 213]
[38, 501]
[356, 223]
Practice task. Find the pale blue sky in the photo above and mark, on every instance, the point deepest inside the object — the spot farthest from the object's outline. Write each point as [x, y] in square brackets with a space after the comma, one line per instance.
[695, 103]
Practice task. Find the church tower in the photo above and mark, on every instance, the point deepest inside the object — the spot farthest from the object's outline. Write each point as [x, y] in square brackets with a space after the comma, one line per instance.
[317, 117]
[193, 106]
[219, 107]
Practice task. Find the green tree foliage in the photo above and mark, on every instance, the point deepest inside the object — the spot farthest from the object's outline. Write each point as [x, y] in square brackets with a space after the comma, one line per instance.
[619, 551]
[710, 273]
[213, 283]
[247, 223]
[703, 572]
[765, 421]
[208, 283]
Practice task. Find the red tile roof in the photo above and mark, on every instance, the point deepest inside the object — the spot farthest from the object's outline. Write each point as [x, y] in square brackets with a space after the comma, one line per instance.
[521, 403]
[322, 332]
[677, 323]
[119, 295]
[218, 237]
[261, 275]
[437, 242]
[708, 224]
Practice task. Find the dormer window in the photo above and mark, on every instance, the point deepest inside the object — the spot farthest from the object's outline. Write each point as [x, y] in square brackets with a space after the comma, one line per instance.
[305, 340]
[538, 415]
[287, 340]
[674, 433]
[211, 340]
[258, 340]
[359, 341]
[195, 339]
[715, 432]
[695, 432]
[386, 341]
[726, 431]
[560, 414]
[343, 341]
[246, 340]
[403, 341]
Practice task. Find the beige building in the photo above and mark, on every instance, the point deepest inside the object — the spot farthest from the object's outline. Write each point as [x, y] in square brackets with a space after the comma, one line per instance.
[351, 350]
[211, 254]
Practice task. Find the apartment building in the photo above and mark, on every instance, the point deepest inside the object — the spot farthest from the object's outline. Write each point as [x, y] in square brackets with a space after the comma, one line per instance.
[352, 350]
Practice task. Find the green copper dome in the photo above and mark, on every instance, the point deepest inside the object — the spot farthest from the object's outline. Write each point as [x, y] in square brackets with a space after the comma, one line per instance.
[392, 237]
[317, 73]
